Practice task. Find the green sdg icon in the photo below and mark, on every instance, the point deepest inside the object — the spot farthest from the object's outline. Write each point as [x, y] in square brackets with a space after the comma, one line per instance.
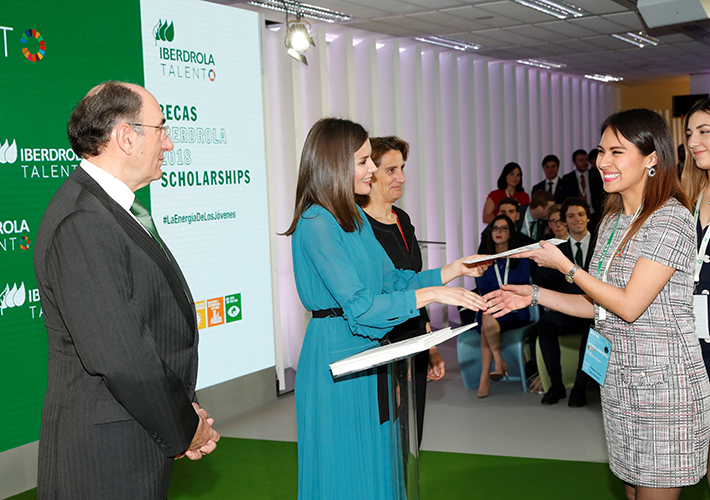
[233, 306]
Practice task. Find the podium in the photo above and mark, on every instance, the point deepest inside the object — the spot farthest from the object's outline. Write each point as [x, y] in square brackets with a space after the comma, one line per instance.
[403, 410]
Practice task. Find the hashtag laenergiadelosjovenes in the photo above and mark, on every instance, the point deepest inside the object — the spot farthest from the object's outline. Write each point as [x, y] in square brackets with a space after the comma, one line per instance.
[198, 217]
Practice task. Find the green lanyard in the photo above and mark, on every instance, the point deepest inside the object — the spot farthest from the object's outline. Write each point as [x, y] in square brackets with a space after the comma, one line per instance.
[602, 277]
[606, 248]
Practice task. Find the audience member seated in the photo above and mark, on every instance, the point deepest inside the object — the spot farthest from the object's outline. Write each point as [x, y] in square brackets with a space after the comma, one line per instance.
[553, 324]
[588, 184]
[501, 238]
[510, 185]
[511, 208]
[552, 182]
[534, 216]
[556, 227]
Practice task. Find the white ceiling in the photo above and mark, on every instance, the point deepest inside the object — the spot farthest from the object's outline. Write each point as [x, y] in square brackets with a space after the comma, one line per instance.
[509, 31]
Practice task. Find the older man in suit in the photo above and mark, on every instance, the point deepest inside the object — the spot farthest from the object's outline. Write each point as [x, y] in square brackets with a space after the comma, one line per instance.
[120, 403]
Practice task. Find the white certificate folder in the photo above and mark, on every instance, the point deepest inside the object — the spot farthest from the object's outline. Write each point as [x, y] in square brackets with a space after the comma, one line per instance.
[393, 352]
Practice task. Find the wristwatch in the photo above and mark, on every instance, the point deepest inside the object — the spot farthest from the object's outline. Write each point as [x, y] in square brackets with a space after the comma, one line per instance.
[535, 295]
[570, 275]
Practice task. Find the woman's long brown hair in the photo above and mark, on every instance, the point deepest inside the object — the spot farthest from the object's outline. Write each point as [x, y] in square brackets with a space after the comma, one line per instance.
[649, 132]
[327, 173]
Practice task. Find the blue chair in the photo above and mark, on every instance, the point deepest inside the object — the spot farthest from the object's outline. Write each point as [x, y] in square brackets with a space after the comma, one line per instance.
[512, 344]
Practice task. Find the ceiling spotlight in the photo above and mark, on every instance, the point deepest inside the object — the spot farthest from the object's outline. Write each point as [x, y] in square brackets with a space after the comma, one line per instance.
[298, 37]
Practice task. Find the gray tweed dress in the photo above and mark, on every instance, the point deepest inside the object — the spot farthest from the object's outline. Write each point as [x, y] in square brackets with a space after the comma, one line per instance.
[656, 396]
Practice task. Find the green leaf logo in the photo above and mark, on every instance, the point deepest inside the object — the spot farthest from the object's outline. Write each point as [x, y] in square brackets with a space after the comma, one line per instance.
[164, 31]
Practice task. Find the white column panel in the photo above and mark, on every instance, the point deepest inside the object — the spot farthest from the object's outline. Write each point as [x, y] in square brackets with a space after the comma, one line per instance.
[413, 132]
[576, 115]
[534, 126]
[467, 132]
[509, 128]
[365, 80]
[568, 147]
[433, 179]
[283, 144]
[496, 101]
[485, 175]
[341, 79]
[522, 118]
[387, 110]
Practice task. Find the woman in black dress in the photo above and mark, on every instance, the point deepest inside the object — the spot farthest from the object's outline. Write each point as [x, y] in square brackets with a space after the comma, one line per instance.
[394, 230]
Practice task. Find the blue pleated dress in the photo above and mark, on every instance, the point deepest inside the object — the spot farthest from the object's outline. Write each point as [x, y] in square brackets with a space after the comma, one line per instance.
[343, 451]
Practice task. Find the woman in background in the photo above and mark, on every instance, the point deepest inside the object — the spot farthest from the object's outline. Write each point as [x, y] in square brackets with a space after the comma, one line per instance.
[395, 232]
[356, 296]
[696, 185]
[656, 395]
[502, 237]
[510, 185]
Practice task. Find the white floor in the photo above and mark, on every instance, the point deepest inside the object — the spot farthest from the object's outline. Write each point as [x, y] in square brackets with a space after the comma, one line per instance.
[508, 423]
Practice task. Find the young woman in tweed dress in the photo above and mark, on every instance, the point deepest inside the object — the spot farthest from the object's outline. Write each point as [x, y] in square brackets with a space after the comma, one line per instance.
[656, 395]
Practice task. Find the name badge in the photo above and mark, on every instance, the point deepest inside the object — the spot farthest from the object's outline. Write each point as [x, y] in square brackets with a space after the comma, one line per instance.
[700, 309]
[596, 357]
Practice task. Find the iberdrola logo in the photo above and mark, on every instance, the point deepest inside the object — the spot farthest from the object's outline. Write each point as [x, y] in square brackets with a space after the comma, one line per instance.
[164, 31]
[8, 152]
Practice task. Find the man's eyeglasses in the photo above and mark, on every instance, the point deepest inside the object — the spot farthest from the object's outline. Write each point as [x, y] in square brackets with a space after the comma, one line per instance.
[500, 229]
[554, 221]
[164, 129]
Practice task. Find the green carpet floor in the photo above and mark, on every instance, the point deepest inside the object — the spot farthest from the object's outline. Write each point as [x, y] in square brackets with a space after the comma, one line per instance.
[254, 469]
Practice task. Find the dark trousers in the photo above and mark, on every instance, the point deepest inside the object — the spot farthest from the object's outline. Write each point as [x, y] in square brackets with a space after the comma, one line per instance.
[553, 325]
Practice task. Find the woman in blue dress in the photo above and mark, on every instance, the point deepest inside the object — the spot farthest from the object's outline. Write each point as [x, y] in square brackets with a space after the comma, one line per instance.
[356, 296]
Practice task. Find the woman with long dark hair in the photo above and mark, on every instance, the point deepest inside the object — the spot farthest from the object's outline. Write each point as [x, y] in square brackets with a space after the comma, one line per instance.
[655, 398]
[510, 185]
[355, 296]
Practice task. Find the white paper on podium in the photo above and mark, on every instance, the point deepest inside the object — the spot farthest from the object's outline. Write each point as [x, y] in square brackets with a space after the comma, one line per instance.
[392, 352]
[532, 246]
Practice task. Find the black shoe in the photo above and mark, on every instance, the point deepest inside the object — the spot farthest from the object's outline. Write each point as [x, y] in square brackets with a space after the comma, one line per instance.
[552, 396]
[577, 398]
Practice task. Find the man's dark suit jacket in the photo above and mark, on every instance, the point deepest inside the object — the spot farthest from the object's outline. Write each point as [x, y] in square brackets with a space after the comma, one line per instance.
[596, 187]
[562, 190]
[122, 361]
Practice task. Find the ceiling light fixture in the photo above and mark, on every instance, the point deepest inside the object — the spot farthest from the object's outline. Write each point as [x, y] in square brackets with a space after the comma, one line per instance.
[638, 38]
[604, 78]
[449, 43]
[558, 8]
[541, 63]
[307, 10]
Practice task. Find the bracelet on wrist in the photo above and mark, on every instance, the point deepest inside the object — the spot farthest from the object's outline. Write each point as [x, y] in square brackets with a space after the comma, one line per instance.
[535, 295]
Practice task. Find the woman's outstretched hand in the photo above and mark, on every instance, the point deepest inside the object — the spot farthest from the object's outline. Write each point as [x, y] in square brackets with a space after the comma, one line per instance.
[458, 268]
[508, 298]
[548, 255]
[451, 296]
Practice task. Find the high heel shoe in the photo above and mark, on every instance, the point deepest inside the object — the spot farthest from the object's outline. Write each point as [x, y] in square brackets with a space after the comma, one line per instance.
[484, 392]
[497, 375]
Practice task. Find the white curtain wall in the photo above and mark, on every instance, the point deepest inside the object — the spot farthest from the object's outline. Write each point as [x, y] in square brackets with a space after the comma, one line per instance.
[464, 116]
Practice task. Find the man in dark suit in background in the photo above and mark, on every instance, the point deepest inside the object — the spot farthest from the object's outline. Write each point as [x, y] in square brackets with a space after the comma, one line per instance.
[587, 183]
[534, 216]
[122, 331]
[553, 324]
[553, 183]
